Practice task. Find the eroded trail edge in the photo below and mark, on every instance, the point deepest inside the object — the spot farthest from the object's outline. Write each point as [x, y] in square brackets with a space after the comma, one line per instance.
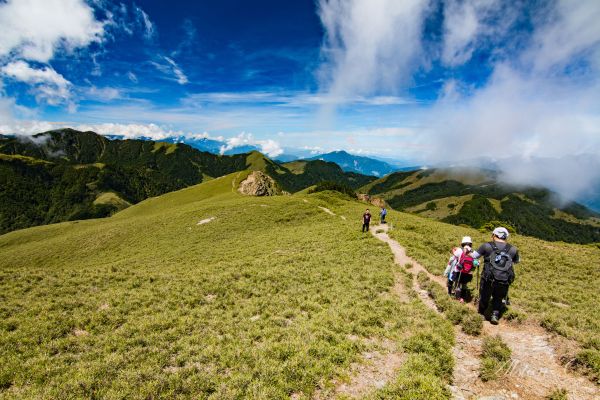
[534, 371]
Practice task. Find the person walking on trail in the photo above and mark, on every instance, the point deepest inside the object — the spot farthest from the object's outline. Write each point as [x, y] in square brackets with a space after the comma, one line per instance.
[366, 220]
[460, 269]
[498, 272]
[382, 214]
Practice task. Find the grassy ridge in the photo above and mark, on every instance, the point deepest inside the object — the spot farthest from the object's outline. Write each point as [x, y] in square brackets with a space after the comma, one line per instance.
[262, 302]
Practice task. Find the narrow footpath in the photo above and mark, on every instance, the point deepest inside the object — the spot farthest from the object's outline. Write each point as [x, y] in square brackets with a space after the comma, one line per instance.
[534, 371]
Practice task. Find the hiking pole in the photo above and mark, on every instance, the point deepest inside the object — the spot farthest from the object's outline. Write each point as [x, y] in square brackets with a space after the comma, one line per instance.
[457, 287]
[477, 297]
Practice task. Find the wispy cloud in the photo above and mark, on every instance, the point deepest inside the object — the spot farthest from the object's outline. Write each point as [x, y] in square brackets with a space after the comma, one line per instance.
[286, 98]
[170, 69]
[370, 46]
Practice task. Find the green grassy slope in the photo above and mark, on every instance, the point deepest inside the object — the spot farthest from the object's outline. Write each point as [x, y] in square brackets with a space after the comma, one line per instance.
[475, 198]
[556, 285]
[272, 297]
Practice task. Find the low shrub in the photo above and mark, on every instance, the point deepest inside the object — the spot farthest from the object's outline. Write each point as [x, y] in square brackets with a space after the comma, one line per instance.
[558, 394]
[457, 313]
[515, 315]
[589, 361]
[495, 358]
[337, 187]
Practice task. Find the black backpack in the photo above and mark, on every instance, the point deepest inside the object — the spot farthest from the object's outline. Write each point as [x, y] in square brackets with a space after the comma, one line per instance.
[501, 264]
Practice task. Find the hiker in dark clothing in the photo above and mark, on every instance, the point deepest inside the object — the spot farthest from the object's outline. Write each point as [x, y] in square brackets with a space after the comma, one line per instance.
[498, 272]
[366, 218]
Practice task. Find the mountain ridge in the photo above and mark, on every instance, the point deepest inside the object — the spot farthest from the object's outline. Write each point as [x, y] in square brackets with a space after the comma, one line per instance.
[61, 175]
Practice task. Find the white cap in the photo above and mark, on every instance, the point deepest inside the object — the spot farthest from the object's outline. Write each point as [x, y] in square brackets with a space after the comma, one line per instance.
[466, 239]
[501, 233]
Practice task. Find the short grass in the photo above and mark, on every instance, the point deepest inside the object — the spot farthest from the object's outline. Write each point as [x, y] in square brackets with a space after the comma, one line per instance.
[263, 302]
[556, 285]
[495, 358]
[457, 313]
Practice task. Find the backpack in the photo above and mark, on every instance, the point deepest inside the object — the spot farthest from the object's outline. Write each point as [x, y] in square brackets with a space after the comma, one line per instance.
[465, 264]
[501, 264]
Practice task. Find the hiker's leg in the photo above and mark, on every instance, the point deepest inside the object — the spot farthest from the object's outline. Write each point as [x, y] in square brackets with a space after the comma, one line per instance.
[499, 293]
[449, 286]
[485, 292]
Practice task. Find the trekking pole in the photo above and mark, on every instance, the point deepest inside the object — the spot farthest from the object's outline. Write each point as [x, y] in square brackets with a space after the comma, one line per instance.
[477, 279]
[457, 286]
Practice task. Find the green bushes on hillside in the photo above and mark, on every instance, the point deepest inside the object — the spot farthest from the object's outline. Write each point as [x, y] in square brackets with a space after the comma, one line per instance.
[338, 187]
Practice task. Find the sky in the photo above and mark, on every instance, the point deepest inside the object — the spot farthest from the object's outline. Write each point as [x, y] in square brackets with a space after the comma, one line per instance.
[420, 81]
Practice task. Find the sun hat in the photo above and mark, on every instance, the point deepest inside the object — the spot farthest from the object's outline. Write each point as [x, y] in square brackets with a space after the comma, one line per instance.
[466, 239]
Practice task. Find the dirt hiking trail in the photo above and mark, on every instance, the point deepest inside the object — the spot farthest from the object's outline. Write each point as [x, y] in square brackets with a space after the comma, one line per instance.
[534, 370]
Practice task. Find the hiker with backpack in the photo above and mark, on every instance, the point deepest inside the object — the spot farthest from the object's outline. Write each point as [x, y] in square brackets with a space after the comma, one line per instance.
[382, 214]
[366, 220]
[498, 272]
[460, 269]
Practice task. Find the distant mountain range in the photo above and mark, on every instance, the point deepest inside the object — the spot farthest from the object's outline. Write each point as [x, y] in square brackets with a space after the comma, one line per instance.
[359, 164]
[348, 162]
[67, 175]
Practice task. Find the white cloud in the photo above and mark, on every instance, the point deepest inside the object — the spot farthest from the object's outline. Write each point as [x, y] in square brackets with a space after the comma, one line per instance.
[145, 22]
[132, 77]
[131, 131]
[35, 29]
[292, 99]
[171, 69]
[105, 94]
[370, 45]
[47, 84]
[269, 147]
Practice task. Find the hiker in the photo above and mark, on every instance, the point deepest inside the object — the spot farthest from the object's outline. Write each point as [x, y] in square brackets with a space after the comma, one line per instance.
[383, 213]
[460, 269]
[366, 220]
[498, 272]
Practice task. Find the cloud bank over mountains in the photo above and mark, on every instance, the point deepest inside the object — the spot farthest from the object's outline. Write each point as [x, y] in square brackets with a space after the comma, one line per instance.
[542, 96]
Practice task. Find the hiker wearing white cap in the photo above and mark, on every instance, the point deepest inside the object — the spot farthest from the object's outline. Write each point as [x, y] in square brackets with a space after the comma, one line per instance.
[460, 269]
[498, 271]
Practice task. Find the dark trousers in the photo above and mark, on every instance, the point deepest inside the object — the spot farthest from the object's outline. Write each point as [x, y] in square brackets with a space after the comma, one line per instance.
[365, 227]
[496, 290]
[464, 279]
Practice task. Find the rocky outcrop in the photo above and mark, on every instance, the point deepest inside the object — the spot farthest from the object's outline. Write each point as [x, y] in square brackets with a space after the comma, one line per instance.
[259, 184]
[376, 201]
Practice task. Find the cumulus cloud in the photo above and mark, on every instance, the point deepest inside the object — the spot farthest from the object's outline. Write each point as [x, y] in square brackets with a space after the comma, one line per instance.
[269, 147]
[34, 29]
[48, 85]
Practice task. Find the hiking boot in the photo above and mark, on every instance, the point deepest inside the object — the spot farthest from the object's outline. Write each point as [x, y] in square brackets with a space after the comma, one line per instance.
[495, 318]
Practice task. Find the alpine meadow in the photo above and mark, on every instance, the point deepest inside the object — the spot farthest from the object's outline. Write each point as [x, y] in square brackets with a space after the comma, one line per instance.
[299, 200]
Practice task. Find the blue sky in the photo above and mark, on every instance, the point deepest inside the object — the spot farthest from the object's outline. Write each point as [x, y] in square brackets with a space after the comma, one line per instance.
[420, 81]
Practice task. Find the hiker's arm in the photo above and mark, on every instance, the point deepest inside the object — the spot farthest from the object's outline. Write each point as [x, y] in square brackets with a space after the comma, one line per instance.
[480, 252]
[516, 258]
